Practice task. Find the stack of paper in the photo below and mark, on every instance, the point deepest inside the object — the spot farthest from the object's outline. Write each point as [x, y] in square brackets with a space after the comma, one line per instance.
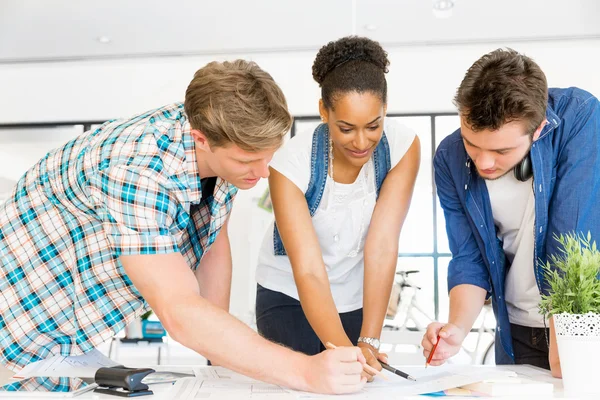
[511, 386]
[84, 366]
[222, 383]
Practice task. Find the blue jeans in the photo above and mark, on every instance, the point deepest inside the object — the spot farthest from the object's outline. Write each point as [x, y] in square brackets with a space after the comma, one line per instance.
[280, 319]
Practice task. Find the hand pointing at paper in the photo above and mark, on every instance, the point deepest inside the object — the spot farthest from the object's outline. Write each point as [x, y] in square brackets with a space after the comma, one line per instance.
[451, 338]
[466, 302]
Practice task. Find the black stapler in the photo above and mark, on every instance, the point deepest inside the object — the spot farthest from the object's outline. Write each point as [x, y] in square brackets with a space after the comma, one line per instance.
[122, 381]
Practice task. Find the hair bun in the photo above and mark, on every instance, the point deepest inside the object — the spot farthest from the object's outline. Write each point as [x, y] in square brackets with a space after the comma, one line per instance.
[346, 49]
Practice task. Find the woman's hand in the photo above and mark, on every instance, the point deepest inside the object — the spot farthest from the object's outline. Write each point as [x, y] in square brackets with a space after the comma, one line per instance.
[373, 357]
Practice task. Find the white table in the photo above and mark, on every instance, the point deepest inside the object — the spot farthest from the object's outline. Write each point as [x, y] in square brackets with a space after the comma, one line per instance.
[161, 390]
[116, 343]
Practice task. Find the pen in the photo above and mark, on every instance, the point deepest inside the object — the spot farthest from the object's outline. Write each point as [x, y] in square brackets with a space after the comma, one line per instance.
[397, 371]
[432, 351]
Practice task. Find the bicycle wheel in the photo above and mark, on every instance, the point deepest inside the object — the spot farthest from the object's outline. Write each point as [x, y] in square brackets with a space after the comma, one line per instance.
[489, 357]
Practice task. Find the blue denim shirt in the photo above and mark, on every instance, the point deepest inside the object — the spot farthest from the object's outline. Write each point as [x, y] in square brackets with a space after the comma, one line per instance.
[566, 182]
[319, 165]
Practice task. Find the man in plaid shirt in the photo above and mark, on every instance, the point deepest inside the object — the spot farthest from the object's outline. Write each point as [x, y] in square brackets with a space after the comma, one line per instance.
[134, 215]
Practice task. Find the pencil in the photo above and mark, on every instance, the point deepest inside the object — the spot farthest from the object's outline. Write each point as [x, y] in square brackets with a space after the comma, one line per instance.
[397, 371]
[366, 366]
[432, 351]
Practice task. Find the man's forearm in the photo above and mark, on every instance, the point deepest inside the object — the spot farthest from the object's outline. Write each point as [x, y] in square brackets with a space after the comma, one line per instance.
[214, 272]
[466, 302]
[212, 332]
[214, 282]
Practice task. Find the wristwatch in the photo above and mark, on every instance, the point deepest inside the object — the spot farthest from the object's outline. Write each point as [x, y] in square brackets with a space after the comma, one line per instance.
[373, 342]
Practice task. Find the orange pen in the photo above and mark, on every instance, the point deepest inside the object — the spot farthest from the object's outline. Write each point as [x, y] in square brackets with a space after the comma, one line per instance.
[432, 351]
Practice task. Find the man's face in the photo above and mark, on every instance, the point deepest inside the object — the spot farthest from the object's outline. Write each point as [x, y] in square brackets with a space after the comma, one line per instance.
[496, 153]
[241, 168]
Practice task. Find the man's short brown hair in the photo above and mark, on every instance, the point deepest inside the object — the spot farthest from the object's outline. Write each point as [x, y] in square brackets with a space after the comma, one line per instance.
[237, 102]
[501, 87]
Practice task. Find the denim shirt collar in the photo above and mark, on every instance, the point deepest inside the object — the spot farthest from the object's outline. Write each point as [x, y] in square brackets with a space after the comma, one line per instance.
[553, 122]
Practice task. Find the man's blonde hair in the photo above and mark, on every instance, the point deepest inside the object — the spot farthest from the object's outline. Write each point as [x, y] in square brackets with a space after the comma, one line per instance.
[237, 102]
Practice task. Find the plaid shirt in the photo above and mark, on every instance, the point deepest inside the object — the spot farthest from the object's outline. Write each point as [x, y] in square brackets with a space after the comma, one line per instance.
[126, 188]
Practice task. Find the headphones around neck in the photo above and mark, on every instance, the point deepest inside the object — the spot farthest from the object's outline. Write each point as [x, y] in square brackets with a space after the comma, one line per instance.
[523, 170]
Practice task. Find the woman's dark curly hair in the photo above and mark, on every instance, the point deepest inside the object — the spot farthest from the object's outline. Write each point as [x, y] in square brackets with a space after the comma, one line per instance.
[351, 64]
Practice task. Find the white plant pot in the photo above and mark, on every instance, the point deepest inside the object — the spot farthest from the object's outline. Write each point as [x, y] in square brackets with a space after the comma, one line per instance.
[578, 338]
[134, 329]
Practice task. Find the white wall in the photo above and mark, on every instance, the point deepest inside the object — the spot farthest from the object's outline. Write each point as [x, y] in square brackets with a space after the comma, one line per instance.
[421, 79]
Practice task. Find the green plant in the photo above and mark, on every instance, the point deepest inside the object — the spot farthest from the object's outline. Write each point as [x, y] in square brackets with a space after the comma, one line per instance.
[573, 277]
[146, 315]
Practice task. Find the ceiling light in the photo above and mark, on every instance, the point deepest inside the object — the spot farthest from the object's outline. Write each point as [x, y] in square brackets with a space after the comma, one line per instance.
[104, 39]
[371, 27]
[443, 8]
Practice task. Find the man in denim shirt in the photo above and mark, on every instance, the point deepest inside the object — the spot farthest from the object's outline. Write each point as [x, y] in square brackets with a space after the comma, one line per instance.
[522, 168]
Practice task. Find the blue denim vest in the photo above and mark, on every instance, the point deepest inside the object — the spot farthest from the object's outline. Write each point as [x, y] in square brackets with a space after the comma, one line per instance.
[319, 165]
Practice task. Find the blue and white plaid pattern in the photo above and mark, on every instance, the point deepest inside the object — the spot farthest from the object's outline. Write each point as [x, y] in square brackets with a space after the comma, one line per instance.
[44, 385]
[125, 188]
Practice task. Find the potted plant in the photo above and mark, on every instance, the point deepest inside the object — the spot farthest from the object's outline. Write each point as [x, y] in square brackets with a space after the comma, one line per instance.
[142, 328]
[573, 302]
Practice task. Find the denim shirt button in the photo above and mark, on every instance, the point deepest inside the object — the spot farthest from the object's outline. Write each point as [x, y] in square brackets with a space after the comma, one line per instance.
[541, 229]
[465, 187]
[540, 187]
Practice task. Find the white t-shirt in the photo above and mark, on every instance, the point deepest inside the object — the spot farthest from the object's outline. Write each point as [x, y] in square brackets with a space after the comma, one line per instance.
[513, 207]
[337, 232]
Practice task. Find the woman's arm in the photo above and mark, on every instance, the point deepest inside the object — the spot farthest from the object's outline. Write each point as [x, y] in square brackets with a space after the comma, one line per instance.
[381, 246]
[302, 246]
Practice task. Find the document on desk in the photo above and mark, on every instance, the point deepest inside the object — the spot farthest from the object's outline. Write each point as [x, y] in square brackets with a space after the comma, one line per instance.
[217, 383]
[430, 380]
[221, 383]
[83, 366]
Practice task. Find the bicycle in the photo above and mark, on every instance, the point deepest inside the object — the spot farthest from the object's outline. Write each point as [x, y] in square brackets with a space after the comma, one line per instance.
[408, 314]
[407, 307]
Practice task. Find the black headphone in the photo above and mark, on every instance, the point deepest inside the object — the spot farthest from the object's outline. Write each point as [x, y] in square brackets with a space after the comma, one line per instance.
[523, 170]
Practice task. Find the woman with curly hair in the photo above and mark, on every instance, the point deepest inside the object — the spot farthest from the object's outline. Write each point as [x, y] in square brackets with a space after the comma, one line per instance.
[340, 196]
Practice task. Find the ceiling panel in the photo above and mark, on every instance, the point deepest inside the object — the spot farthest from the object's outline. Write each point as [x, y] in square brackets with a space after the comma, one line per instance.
[39, 30]
[477, 21]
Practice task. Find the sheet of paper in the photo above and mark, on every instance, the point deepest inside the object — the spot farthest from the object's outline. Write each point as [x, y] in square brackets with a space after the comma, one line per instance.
[164, 377]
[214, 383]
[84, 366]
[221, 374]
[195, 388]
[221, 383]
[429, 380]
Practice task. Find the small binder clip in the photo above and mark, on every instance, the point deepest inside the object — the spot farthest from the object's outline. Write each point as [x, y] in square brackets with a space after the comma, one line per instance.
[122, 381]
